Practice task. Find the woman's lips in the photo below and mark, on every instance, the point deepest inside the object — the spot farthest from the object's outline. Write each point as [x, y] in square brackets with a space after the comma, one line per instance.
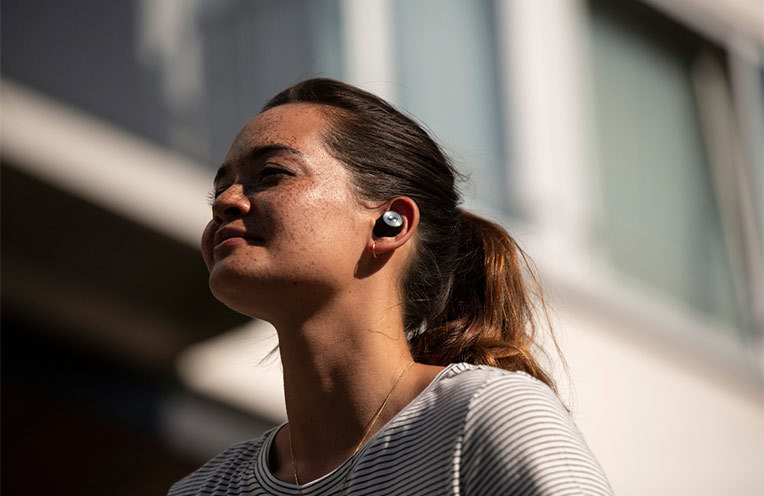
[228, 235]
[236, 240]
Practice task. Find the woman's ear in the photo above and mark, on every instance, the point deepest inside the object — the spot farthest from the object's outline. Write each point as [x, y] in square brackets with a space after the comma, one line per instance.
[408, 210]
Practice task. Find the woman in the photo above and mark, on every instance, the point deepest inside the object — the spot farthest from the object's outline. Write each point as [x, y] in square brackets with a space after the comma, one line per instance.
[404, 324]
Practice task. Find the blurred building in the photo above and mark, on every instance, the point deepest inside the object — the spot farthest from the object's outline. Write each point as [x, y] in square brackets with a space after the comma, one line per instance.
[619, 141]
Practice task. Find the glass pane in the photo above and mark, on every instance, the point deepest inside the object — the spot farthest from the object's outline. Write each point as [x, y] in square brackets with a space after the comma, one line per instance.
[447, 70]
[252, 50]
[661, 222]
[184, 73]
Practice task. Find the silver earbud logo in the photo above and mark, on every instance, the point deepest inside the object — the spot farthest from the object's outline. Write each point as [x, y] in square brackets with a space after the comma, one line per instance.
[392, 219]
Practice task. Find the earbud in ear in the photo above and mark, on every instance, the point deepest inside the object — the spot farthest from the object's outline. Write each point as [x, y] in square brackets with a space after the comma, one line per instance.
[390, 224]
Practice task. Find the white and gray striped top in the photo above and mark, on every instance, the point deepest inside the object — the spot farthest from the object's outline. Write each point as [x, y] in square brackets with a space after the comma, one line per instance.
[475, 430]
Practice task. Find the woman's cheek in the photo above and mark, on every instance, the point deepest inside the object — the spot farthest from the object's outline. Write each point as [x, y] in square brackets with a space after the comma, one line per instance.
[206, 244]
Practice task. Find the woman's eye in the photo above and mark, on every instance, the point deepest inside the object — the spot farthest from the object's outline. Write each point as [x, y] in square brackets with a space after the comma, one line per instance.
[269, 174]
[272, 171]
[213, 194]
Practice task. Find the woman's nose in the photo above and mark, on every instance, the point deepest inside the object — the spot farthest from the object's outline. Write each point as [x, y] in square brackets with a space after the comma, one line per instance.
[230, 204]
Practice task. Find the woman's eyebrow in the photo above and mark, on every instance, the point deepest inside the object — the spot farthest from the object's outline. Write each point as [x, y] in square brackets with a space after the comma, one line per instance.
[256, 153]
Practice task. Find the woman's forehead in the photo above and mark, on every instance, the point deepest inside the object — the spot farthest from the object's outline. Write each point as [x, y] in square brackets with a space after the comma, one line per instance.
[296, 127]
[289, 124]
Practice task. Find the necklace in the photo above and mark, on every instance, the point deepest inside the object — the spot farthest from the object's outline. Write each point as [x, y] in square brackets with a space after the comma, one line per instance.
[360, 443]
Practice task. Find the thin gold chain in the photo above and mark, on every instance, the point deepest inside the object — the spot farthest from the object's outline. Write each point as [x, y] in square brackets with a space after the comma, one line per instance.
[294, 465]
[360, 443]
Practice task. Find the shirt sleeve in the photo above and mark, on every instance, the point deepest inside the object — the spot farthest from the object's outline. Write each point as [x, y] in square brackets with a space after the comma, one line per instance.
[519, 440]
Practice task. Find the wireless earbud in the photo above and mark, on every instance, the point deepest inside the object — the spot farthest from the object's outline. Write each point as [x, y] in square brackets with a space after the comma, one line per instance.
[389, 224]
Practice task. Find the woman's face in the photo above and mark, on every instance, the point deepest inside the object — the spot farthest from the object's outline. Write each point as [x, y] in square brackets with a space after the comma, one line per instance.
[286, 229]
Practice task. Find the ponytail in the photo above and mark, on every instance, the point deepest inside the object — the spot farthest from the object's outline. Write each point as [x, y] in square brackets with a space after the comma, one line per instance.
[488, 314]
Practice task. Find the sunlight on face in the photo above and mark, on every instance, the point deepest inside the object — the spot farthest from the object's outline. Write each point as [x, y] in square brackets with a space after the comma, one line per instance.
[286, 227]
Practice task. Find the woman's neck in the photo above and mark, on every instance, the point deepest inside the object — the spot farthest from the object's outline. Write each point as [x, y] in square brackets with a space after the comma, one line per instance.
[338, 368]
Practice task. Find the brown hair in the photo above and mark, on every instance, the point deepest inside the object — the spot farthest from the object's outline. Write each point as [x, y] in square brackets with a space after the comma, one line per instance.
[464, 294]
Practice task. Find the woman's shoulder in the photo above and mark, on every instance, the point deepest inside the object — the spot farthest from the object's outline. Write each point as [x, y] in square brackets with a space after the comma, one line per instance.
[480, 392]
[490, 385]
[507, 403]
[517, 433]
[228, 470]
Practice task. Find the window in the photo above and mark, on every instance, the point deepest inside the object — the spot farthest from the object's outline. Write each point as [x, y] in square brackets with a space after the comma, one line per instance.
[185, 74]
[447, 73]
[661, 221]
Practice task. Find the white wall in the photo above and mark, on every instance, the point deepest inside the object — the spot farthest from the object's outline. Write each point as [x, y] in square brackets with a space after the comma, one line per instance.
[660, 422]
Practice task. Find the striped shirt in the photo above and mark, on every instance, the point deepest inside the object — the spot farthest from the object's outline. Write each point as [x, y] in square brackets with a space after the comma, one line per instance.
[475, 430]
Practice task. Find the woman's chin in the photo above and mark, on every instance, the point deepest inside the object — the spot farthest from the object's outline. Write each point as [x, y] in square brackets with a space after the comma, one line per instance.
[243, 302]
[242, 293]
